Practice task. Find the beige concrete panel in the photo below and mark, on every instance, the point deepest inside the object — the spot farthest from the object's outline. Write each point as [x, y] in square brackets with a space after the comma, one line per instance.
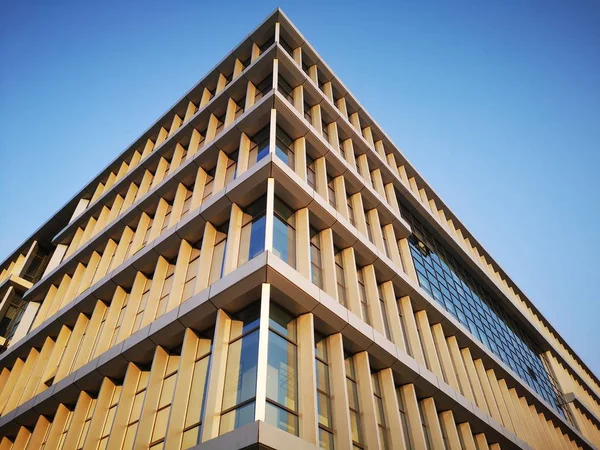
[161, 172]
[298, 96]
[181, 396]
[102, 221]
[234, 235]
[144, 186]
[59, 347]
[190, 111]
[162, 135]
[25, 323]
[91, 335]
[460, 369]
[262, 363]
[122, 246]
[391, 407]
[313, 74]
[38, 434]
[321, 177]
[112, 315]
[211, 131]
[428, 344]
[328, 90]
[151, 311]
[176, 159]
[481, 442]
[6, 444]
[376, 232]
[539, 425]
[120, 422]
[340, 407]
[444, 356]
[359, 213]
[341, 105]
[221, 83]
[317, 120]
[339, 186]
[410, 326]
[105, 260]
[130, 196]
[238, 68]
[332, 132]
[175, 124]
[22, 438]
[407, 261]
[487, 391]
[531, 426]
[87, 231]
[436, 437]
[424, 198]
[269, 214]
[366, 400]
[74, 244]
[464, 430]
[363, 168]
[307, 381]
[351, 277]
[390, 238]
[178, 202]
[378, 182]
[348, 148]
[368, 135]
[68, 356]
[133, 304]
[255, 52]
[11, 382]
[450, 430]
[206, 254]
[198, 191]
[181, 267]
[474, 379]
[55, 259]
[512, 413]
[88, 274]
[21, 382]
[372, 295]
[151, 401]
[55, 301]
[97, 193]
[216, 377]
[412, 184]
[500, 403]
[275, 76]
[380, 149]
[142, 227]
[58, 425]
[300, 165]
[71, 291]
[389, 298]
[206, 96]
[100, 412]
[220, 172]
[297, 55]
[81, 206]
[115, 208]
[243, 154]
[415, 426]
[135, 160]
[303, 242]
[355, 121]
[250, 96]
[84, 402]
[328, 259]
[230, 112]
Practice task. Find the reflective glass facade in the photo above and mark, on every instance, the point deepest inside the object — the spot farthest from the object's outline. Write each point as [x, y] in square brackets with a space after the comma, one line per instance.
[449, 284]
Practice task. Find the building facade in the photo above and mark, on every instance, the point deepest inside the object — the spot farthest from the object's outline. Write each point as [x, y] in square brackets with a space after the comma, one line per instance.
[263, 268]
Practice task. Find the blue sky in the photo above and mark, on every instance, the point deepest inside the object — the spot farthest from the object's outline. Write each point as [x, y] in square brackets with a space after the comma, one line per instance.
[497, 104]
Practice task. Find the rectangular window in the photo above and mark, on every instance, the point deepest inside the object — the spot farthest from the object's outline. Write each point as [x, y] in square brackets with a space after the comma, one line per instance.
[252, 241]
[218, 257]
[380, 413]
[286, 89]
[325, 129]
[323, 394]
[362, 294]
[384, 314]
[308, 112]
[340, 277]
[191, 272]
[208, 186]
[284, 233]
[259, 147]
[351, 217]
[404, 420]
[240, 377]
[284, 148]
[231, 171]
[331, 192]
[282, 384]
[352, 388]
[311, 175]
[368, 226]
[165, 291]
[187, 203]
[315, 258]
[425, 427]
[263, 87]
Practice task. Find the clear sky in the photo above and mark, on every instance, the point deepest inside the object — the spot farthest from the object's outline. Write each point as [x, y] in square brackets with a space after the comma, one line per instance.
[497, 104]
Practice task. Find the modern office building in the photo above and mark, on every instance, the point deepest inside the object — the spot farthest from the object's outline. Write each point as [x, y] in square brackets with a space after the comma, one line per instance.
[263, 268]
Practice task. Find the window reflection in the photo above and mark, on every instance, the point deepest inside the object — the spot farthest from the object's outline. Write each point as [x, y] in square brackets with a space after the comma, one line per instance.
[252, 240]
[284, 233]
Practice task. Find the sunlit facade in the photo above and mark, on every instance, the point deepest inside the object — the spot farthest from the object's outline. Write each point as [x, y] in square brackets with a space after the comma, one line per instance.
[263, 268]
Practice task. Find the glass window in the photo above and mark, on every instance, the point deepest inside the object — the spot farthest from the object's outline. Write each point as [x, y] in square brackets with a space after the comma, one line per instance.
[351, 217]
[351, 386]
[315, 258]
[231, 171]
[259, 146]
[286, 89]
[457, 291]
[362, 294]
[284, 148]
[218, 257]
[284, 233]
[384, 313]
[282, 384]
[311, 175]
[340, 277]
[240, 376]
[331, 191]
[263, 87]
[404, 420]
[252, 241]
[308, 112]
[323, 394]
[380, 413]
